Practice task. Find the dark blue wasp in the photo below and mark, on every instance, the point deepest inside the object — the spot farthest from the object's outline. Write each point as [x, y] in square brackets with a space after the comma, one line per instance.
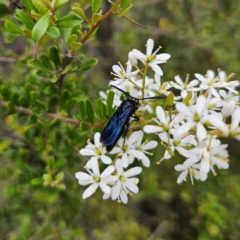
[119, 122]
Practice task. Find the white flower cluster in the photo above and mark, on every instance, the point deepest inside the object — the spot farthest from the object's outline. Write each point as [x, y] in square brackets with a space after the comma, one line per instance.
[194, 117]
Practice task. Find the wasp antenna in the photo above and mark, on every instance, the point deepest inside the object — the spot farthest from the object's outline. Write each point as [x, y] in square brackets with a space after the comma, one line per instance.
[119, 89]
[156, 97]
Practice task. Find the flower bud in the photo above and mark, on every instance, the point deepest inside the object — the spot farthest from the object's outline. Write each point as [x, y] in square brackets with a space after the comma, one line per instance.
[170, 100]
[132, 58]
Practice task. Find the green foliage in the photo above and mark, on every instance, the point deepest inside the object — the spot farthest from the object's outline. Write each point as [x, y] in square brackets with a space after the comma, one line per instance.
[49, 83]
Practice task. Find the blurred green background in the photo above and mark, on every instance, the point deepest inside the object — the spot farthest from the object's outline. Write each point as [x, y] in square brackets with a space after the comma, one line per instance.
[199, 35]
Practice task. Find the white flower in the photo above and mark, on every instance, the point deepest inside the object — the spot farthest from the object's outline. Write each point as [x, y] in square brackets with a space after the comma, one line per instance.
[96, 150]
[132, 149]
[96, 179]
[211, 83]
[179, 142]
[165, 123]
[209, 153]
[186, 86]
[234, 128]
[194, 114]
[188, 167]
[122, 75]
[125, 184]
[152, 59]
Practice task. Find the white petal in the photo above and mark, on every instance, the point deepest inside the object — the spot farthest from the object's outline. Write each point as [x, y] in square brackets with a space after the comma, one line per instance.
[132, 172]
[193, 83]
[132, 187]
[161, 115]
[235, 119]
[178, 80]
[228, 108]
[90, 190]
[132, 58]
[163, 57]
[95, 167]
[152, 129]
[136, 153]
[108, 171]
[182, 108]
[218, 123]
[116, 190]
[164, 137]
[149, 49]
[139, 56]
[106, 196]
[134, 137]
[105, 188]
[156, 68]
[97, 139]
[106, 160]
[201, 132]
[200, 77]
[150, 145]
[119, 166]
[116, 69]
[182, 176]
[111, 180]
[204, 167]
[220, 163]
[146, 161]
[87, 152]
[123, 197]
[125, 160]
[201, 102]
[81, 176]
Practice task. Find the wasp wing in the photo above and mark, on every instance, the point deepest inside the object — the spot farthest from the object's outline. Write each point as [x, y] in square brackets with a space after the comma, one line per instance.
[115, 127]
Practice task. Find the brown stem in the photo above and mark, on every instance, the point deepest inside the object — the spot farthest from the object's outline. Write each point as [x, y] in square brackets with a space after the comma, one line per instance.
[28, 111]
[106, 15]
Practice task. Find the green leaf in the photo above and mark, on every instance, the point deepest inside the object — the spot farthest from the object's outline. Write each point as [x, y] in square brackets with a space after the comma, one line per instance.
[40, 5]
[125, 3]
[81, 13]
[75, 46]
[5, 92]
[82, 109]
[40, 104]
[60, 176]
[24, 102]
[73, 38]
[96, 17]
[12, 27]
[96, 4]
[36, 181]
[21, 16]
[109, 102]
[51, 162]
[89, 111]
[60, 162]
[53, 54]
[125, 11]
[15, 98]
[29, 5]
[64, 96]
[59, 3]
[101, 108]
[3, 10]
[69, 20]
[53, 32]
[39, 65]
[84, 128]
[71, 103]
[88, 64]
[41, 27]
[47, 63]
[53, 101]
